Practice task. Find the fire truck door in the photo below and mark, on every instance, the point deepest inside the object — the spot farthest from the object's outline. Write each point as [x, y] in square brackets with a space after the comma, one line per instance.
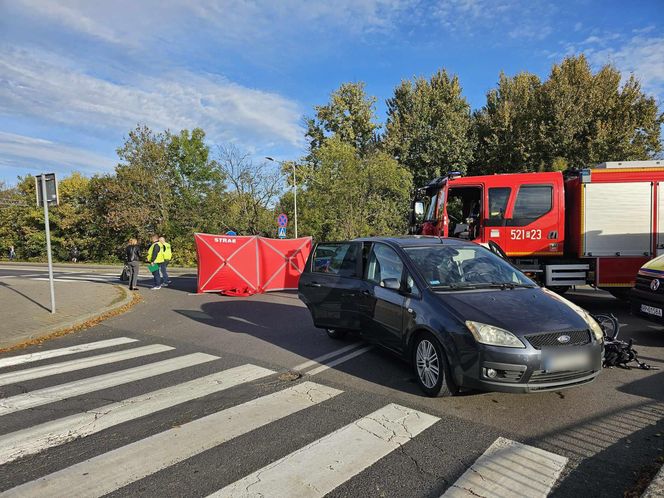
[533, 222]
[495, 211]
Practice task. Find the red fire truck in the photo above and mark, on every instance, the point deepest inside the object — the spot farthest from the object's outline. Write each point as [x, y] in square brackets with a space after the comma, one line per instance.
[590, 226]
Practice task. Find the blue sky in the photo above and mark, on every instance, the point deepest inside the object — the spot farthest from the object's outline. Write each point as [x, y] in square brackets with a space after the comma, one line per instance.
[77, 75]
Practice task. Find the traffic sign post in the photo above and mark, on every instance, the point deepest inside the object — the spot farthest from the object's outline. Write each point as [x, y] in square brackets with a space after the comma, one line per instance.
[282, 222]
[48, 192]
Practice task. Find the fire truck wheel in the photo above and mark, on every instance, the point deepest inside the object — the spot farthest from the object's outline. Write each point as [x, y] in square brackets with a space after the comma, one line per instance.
[621, 293]
[559, 289]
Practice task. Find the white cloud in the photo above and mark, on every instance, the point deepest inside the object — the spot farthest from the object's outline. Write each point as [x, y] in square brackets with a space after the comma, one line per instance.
[641, 56]
[71, 16]
[518, 19]
[51, 88]
[37, 154]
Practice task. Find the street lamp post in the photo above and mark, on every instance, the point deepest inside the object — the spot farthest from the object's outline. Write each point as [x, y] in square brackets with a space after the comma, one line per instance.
[294, 188]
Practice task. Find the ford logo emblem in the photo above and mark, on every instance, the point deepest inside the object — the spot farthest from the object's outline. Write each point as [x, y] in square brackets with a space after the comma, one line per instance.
[564, 339]
[654, 285]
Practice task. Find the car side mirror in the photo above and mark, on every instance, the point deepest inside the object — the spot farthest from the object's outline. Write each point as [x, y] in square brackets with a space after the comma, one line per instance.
[391, 283]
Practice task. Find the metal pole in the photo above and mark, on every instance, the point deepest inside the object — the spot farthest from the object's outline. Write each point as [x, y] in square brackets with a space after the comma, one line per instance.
[295, 199]
[48, 241]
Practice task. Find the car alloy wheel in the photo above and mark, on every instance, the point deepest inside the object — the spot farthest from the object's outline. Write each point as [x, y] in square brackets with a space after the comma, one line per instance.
[429, 362]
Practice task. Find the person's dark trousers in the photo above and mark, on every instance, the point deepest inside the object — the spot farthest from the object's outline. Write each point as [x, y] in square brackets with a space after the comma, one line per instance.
[164, 273]
[134, 266]
[157, 278]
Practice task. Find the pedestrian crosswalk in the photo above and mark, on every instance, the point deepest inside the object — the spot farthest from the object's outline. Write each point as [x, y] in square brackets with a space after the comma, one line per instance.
[319, 466]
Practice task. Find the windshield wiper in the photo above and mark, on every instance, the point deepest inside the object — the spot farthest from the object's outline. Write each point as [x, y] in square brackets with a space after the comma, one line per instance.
[457, 286]
[508, 285]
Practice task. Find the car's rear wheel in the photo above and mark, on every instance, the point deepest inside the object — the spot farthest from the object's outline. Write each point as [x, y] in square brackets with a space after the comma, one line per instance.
[337, 334]
[431, 369]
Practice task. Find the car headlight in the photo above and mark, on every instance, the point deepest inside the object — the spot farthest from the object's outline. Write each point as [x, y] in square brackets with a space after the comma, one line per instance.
[494, 336]
[595, 327]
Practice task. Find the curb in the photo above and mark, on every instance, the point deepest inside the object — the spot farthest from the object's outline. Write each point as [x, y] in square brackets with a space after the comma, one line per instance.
[656, 487]
[128, 301]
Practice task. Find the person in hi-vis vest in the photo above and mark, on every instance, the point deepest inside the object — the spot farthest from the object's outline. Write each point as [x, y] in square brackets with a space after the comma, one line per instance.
[155, 258]
[166, 250]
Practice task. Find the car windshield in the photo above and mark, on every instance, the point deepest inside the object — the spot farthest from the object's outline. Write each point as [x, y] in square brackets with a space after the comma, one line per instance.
[468, 267]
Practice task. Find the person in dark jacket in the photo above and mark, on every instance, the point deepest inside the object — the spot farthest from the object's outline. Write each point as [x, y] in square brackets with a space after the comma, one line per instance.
[133, 261]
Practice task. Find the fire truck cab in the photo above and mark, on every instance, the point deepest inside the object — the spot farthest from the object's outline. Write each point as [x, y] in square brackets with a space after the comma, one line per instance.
[592, 226]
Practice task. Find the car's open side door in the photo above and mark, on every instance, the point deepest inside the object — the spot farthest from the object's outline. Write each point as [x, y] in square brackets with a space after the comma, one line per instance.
[330, 285]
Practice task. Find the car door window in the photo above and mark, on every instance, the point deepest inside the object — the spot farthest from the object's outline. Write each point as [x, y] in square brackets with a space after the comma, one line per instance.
[336, 259]
[384, 263]
[411, 286]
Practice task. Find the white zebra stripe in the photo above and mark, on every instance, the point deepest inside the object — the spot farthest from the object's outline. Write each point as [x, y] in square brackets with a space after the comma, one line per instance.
[117, 468]
[318, 468]
[81, 363]
[54, 433]
[91, 384]
[509, 468]
[54, 353]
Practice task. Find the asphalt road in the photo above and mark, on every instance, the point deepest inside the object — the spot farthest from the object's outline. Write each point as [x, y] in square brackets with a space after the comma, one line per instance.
[250, 431]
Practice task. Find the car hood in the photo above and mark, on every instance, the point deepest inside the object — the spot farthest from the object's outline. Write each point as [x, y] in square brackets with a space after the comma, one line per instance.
[521, 311]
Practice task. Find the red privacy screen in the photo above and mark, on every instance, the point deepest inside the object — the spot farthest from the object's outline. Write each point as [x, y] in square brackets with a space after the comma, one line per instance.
[241, 266]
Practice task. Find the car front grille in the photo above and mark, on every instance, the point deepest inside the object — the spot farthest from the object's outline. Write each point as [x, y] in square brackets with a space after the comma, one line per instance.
[544, 377]
[550, 339]
[643, 283]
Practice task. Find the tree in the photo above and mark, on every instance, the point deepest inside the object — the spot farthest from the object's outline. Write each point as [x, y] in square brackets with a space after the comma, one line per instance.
[575, 118]
[349, 116]
[254, 190]
[508, 129]
[428, 126]
[591, 118]
[349, 195]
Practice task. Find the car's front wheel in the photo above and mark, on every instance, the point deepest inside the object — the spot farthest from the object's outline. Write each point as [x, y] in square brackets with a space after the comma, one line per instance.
[430, 367]
[337, 334]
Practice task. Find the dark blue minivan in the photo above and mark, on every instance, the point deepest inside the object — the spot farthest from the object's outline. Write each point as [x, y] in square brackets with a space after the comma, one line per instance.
[463, 316]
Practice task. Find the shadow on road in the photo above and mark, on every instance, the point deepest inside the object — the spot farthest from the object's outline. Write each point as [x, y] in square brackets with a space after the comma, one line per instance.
[289, 327]
[7, 286]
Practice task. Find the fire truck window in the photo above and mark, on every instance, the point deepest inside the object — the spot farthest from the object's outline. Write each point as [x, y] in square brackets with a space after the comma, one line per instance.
[498, 198]
[532, 202]
[431, 210]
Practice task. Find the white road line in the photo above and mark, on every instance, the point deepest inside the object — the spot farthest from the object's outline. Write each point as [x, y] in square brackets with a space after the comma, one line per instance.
[81, 363]
[54, 353]
[91, 384]
[338, 361]
[323, 465]
[55, 280]
[54, 433]
[317, 361]
[117, 468]
[509, 469]
[86, 278]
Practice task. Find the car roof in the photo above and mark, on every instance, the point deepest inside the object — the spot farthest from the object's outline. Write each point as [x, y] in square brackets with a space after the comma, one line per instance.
[417, 241]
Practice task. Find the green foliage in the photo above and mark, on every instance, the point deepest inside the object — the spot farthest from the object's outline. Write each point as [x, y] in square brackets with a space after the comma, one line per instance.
[575, 116]
[349, 116]
[428, 127]
[349, 195]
